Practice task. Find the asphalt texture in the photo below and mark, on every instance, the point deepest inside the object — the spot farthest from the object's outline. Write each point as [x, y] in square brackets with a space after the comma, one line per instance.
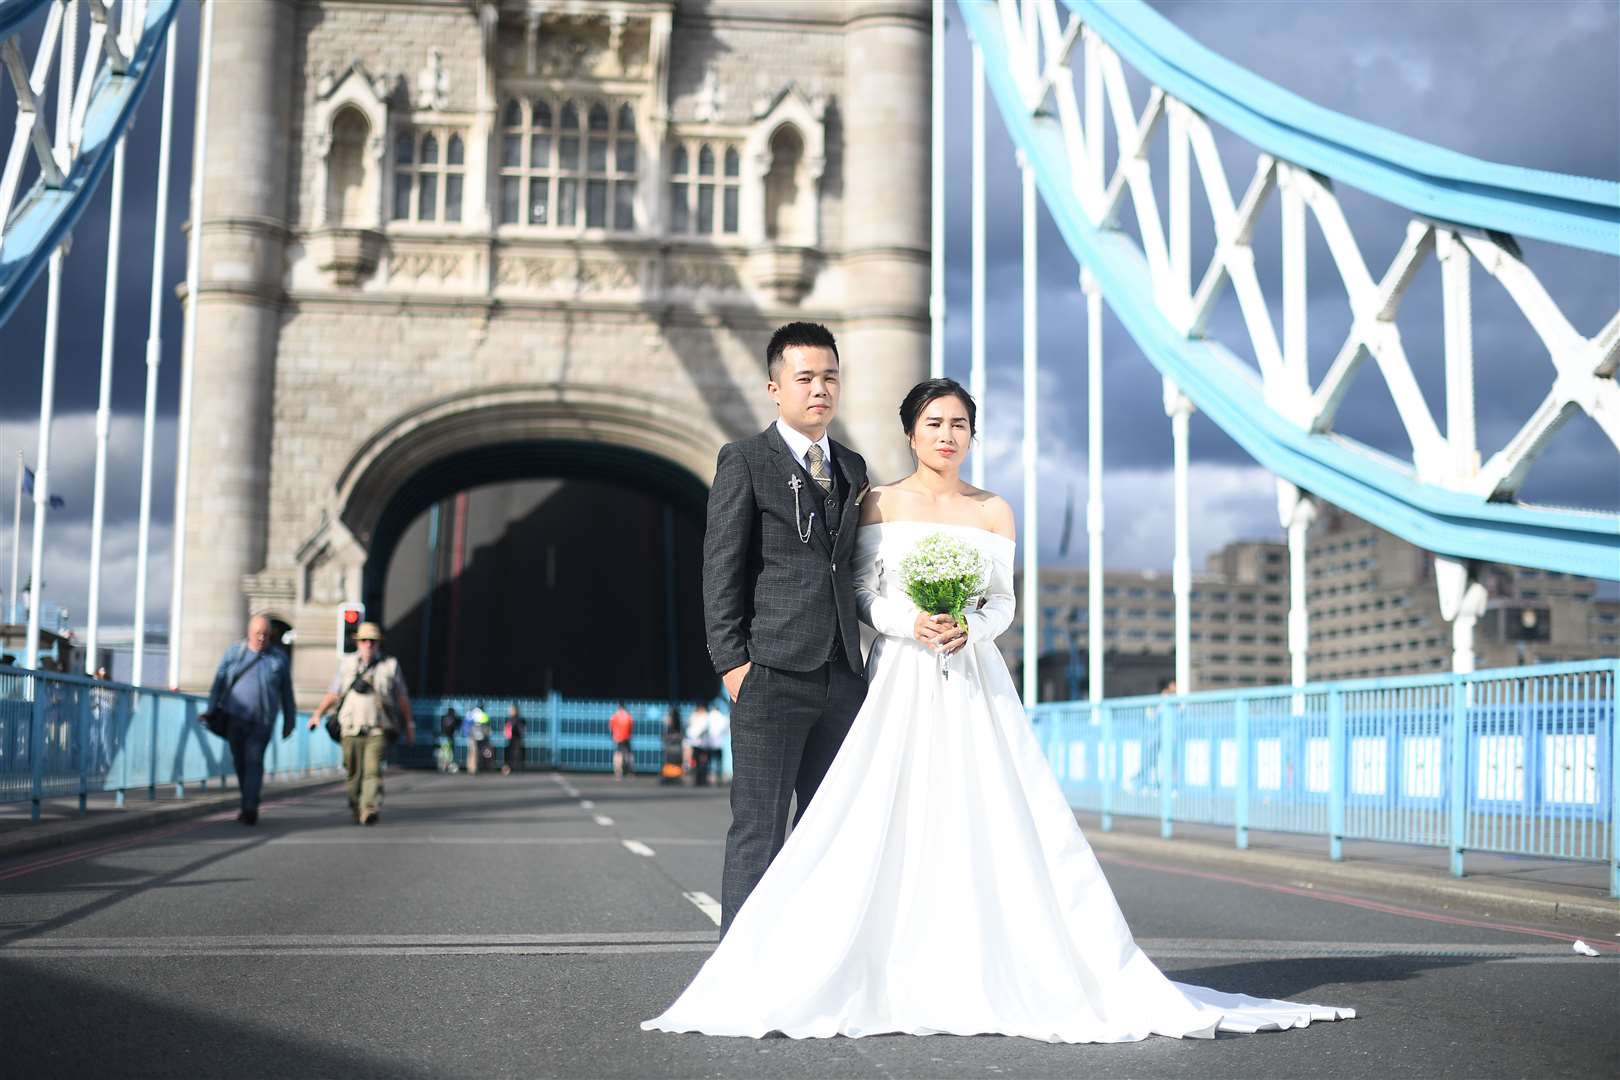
[523, 926]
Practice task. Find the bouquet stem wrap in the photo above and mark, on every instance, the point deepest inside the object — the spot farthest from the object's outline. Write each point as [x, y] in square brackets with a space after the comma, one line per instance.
[942, 575]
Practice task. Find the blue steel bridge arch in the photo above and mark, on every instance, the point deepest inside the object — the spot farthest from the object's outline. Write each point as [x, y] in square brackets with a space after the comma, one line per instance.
[1427, 180]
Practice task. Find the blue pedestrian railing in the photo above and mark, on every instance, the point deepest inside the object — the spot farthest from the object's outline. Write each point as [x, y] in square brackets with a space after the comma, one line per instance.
[65, 735]
[1520, 761]
[558, 732]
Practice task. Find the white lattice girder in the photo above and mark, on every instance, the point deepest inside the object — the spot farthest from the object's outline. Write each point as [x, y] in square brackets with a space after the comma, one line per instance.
[1042, 47]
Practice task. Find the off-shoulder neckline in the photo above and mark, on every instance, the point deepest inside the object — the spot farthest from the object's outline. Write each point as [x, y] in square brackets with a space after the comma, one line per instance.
[946, 525]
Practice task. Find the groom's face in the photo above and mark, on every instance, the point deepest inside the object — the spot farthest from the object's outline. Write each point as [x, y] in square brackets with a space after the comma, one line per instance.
[805, 388]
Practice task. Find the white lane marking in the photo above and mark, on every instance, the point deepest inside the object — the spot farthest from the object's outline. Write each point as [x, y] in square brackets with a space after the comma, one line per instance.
[364, 945]
[586, 804]
[706, 904]
[638, 848]
[603, 821]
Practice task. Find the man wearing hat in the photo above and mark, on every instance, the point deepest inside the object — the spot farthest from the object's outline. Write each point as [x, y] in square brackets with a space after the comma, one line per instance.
[373, 708]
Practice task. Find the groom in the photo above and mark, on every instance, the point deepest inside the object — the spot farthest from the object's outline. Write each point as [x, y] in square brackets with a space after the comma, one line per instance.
[779, 601]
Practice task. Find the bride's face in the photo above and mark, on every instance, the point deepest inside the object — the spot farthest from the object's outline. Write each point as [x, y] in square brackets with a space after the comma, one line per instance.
[943, 434]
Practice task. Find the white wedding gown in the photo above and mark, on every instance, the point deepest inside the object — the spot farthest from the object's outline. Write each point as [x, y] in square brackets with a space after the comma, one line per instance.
[938, 882]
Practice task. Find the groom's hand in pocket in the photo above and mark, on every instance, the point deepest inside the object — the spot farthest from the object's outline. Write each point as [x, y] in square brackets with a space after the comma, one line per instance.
[733, 679]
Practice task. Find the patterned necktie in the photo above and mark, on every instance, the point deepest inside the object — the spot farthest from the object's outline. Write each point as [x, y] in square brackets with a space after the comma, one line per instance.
[818, 467]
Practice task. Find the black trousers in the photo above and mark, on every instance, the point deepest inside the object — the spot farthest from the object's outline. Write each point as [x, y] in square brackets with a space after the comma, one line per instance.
[786, 728]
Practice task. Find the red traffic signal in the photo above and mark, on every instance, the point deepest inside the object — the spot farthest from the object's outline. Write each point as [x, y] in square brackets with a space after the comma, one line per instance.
[349, 618]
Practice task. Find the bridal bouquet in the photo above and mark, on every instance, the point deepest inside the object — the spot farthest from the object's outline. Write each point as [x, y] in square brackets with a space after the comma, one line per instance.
[942, 574]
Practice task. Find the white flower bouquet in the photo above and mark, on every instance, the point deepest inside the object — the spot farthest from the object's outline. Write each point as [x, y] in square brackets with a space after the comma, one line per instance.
[942, 575]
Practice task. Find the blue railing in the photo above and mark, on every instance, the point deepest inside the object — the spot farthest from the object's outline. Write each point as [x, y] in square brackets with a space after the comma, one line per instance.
[66, 735]
[559, 732]
[1517, 760]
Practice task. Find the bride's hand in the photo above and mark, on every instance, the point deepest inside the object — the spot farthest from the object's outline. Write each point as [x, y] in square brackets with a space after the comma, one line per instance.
[951, 641]
[928, 628]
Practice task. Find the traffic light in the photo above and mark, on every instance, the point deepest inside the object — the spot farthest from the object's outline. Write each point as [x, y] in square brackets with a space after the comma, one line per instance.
[350, 616]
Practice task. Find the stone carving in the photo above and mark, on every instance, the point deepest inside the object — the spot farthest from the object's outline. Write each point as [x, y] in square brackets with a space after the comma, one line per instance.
[323, 579]
[703, 275]
[710, 99]
[433, 83]
[590, 46]
[532, 272]
[421, 265]
[606, 276]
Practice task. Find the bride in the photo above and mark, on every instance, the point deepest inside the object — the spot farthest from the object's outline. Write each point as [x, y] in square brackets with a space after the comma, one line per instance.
[938, 882]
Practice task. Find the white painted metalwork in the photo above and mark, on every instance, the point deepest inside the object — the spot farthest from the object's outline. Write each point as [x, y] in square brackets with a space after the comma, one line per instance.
[154, 361]
[1179, 409]
[188, 353]
[976, 376]
[124, 45]
[1095, 614]
[42, 458]
[16, 539]
[1297, 511]
[1031, 454]
[1041, 38]
[936, 290]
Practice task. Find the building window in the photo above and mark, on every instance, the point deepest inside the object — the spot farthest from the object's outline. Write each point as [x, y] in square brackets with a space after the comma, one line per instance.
[705, 180]
[568, 164]
[430, 172]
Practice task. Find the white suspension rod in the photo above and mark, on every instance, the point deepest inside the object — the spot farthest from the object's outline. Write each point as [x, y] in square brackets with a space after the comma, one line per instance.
[1031, 530]
[188, 352]
[109, 317]
[154, 359]
[936, 289]
[976, 376]
[1095, 615]
[42, 458]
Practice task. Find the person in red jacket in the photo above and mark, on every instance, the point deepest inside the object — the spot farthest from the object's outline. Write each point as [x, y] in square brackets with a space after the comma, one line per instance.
[620, 726]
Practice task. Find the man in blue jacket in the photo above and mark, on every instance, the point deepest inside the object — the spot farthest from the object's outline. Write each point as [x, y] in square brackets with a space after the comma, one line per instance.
[252, 684]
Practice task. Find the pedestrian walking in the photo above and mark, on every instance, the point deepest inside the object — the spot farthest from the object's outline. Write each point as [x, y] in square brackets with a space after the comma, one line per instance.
[373, 709]
[477, 738]
[449, 727]
[514, 741]
[674, 748]
[621, 725]
[253, 683]
[697, 742]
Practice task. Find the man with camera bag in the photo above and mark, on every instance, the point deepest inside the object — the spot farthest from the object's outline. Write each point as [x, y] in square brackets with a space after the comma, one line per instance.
[253, 683]
[373, 709]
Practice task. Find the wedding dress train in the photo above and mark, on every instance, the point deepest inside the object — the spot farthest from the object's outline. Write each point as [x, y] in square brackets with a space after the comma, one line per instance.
[938, 882]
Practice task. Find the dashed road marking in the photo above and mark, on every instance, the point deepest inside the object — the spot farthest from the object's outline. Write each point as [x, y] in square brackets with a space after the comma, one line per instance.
[638, 848]
[706, 904]
[586, 804]
[603, 821]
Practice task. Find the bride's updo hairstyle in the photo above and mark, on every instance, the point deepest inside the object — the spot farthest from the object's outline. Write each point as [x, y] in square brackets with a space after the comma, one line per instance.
[931, 390]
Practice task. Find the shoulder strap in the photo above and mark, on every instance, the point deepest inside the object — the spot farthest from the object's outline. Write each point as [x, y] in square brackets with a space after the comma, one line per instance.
[243, 670]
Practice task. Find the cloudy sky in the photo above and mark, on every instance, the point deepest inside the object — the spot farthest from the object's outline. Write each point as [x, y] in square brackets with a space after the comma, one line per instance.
[1525, 83]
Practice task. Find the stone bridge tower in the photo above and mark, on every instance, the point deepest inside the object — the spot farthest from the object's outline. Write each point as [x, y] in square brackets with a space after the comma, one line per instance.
[438, 230]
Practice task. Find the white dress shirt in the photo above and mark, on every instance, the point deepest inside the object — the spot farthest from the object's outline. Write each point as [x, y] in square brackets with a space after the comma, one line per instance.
[799, 445]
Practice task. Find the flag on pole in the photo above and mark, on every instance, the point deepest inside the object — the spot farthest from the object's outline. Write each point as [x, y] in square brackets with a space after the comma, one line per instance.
[57, 502]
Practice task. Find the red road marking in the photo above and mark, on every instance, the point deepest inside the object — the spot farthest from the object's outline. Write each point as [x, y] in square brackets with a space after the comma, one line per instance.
[1352, 901]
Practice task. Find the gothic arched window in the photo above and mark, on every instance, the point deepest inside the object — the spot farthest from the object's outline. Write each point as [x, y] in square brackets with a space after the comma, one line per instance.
[430, 169]
[703, 200]
[550, 160]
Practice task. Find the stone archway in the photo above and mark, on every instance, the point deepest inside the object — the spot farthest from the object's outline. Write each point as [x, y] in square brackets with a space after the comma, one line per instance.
[621, 438]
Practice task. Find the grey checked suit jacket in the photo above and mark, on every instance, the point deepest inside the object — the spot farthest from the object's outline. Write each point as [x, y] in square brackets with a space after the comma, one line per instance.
[768, 597]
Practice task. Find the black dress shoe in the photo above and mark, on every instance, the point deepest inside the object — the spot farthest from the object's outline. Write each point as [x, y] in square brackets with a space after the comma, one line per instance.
[371, 818]
[248, 817]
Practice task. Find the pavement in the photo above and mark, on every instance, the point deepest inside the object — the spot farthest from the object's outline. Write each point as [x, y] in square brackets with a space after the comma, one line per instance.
[523, 926]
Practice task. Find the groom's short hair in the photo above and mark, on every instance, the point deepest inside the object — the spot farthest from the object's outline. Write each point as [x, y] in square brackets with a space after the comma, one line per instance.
[796, 333]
